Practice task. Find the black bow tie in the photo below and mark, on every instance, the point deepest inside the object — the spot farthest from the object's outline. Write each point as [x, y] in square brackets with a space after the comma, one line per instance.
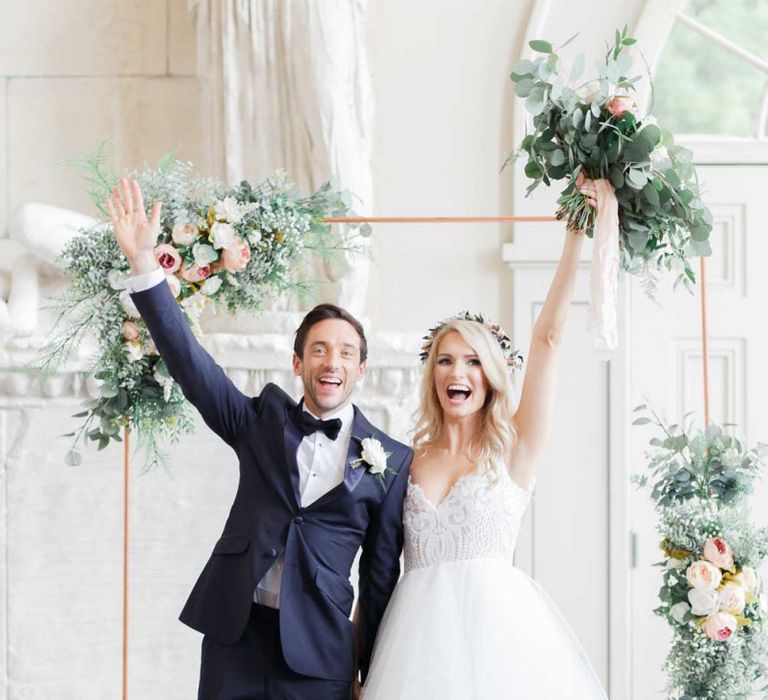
[308, 424]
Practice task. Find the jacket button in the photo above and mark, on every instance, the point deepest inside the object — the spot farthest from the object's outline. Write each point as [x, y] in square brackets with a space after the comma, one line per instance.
[298, 520]
[272, 552]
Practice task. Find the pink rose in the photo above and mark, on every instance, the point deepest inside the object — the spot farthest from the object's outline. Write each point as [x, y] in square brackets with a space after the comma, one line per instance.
[236, 256]
[719, 553]
[130, 330]
[720, 626]
[184, 234]
[194, 273]
[732, 598]
[703, 576]
[168, 257]
[620, 104]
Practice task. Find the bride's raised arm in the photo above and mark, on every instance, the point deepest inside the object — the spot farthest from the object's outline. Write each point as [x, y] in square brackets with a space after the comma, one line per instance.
[533, 418]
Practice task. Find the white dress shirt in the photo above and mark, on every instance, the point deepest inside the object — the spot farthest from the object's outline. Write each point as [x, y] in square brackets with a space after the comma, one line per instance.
[321, 461]
[140, 283]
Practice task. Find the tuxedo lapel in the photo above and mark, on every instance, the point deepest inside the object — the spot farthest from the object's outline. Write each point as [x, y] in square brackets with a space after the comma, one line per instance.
[292, 438]
[361, 429]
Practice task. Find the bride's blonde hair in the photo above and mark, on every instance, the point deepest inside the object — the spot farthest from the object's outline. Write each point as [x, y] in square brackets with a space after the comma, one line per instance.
[495, 436]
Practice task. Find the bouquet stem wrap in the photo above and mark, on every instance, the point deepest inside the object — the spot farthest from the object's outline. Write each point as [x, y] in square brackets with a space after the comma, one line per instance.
[604, 272]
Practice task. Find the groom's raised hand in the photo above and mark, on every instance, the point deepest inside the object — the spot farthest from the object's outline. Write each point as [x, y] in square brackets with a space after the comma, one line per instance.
[136, 234]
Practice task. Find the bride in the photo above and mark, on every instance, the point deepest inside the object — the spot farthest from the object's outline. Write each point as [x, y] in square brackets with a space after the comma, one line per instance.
[463, 622]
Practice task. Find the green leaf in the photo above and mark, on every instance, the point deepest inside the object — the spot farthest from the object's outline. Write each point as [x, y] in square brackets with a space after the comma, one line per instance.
[524, 67]
[700, 232]
[556, 157]
[651, 134]
[533, 169]
[628, 41]
[73, 458]
[641, 421]
[651, 195]
[540, 46]
[637, 178]
[545, 71]
[578, 67]
[534, 103]
[616, 177]
[523, 88]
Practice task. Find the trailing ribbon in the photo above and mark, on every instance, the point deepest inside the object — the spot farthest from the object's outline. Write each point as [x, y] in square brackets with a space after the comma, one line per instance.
[604, 273]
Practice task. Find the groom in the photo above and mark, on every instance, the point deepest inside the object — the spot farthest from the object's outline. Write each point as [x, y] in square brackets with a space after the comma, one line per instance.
[274, 599]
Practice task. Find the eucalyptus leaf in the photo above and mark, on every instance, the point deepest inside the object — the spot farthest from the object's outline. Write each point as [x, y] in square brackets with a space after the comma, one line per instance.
[578, 67]
[637, 178]
[557, 157]
[524, 67]
[523, 88]
[540, 46]
[73, 458]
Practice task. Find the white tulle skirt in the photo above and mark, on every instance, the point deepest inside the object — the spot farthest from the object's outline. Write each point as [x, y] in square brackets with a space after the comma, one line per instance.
[477, 629]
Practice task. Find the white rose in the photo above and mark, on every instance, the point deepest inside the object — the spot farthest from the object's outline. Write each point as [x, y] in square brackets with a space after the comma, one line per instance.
[134, 350]
[166, 382]
[748, 578]
[229, 210]
[703, 576]
[194, 305]
[128, 306]
[222, 235]
[174, 284]
[204, 254]
[703, 602]
[679, 610]
[211, 285]
[673, 563]
[374, 455]
[731, 598]
[117, 279]
[184, 233]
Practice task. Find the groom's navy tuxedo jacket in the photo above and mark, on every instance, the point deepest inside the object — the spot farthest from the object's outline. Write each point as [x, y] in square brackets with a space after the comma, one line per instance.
[319, 541]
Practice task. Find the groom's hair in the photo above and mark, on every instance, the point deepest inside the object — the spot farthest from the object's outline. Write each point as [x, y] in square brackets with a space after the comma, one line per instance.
[323, 312]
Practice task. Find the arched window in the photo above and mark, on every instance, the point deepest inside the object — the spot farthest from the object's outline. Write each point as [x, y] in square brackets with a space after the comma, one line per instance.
[711, 79]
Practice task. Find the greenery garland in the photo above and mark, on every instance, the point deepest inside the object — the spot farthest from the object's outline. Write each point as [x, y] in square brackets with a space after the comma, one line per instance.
[711, 593]
[233, 248]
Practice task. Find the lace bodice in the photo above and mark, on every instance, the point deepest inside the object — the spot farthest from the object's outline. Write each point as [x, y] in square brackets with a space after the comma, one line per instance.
[479, 517]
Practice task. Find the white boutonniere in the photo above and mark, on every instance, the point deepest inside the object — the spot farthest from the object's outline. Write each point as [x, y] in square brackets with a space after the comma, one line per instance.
[374, 457]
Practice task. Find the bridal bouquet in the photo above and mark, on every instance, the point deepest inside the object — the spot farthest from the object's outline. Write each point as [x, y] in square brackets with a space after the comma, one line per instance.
[711, 593]
[593, 128]
[232, 248]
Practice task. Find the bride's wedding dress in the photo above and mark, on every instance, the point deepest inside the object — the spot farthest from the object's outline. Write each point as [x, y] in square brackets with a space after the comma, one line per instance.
[463, 622]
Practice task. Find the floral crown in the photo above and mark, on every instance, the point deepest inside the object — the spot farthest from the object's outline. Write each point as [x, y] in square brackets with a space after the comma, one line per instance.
[514, 357]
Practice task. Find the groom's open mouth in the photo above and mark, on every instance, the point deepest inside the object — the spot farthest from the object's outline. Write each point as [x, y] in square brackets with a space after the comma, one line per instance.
[329, 384]
[458, 393]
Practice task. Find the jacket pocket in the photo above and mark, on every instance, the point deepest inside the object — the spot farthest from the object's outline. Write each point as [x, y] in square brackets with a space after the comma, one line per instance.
[232, 544]
[339, 591]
